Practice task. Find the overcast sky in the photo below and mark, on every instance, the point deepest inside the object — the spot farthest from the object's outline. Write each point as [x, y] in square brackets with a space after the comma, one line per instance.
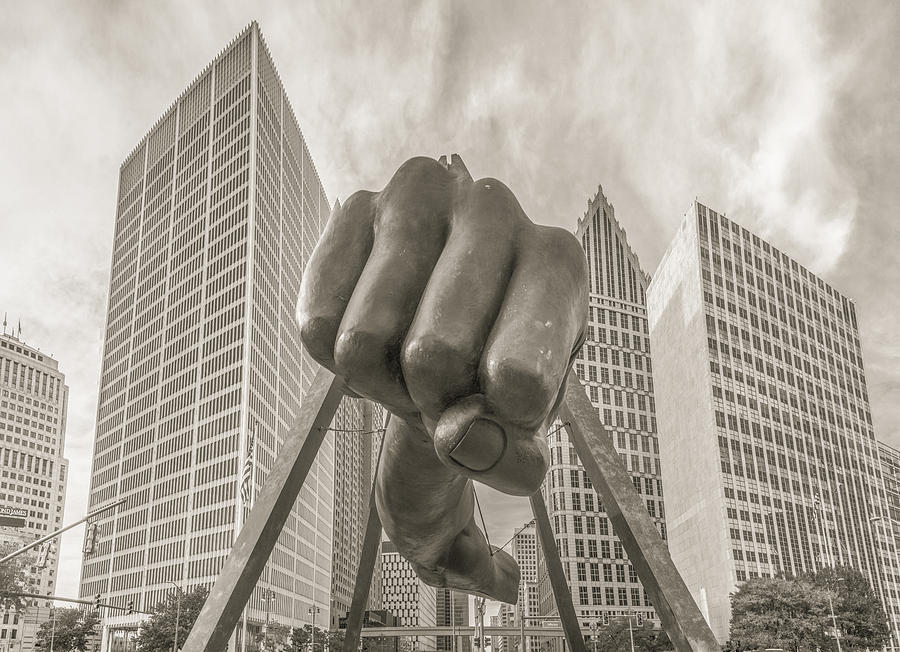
[782, 115]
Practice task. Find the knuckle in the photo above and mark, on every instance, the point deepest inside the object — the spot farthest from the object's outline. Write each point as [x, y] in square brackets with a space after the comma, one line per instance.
[358, 350]
[428, 357]
[519, 388]
[317, 334]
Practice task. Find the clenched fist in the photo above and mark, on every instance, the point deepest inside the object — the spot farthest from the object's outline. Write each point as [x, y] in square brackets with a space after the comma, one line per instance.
[440, 299]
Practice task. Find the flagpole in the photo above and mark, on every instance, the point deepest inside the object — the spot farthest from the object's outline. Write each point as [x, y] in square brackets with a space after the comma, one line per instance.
[251, 457]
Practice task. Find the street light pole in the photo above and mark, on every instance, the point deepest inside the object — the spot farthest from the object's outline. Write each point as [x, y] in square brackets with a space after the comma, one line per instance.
[837, 638]
[313, 611]
[53, 629]
[177, 614]
[269, 596]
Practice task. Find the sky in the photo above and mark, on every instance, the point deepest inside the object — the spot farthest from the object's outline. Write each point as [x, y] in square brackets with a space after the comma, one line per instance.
[781, 115]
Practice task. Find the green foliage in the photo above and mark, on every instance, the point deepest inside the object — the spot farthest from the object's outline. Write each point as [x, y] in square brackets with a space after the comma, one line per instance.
[157, 633]
[16, 576]
[302, 636]
[275, 637]
[858, 611]
[794, 613]
[616, 637]
[72, 630]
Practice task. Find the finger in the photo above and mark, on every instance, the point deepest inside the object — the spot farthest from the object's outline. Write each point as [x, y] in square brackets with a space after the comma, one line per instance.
[410, 230]
[462, 298]
[496, 437]
[332, 272]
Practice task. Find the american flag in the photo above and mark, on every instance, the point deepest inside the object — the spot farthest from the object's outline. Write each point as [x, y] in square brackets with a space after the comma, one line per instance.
[247, 472]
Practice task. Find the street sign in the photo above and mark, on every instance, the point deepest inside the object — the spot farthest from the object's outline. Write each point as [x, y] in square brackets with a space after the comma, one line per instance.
[12, 516]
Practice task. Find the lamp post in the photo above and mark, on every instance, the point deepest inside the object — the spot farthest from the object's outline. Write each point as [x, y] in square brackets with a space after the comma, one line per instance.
[312, 611]
[837, 636]
[52, 628]
[177, 613]
[268, 596]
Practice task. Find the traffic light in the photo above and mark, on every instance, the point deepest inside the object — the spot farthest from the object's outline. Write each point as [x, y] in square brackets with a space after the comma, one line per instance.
[90, 538]
[129, 607]
[42, 555]
[97, 601]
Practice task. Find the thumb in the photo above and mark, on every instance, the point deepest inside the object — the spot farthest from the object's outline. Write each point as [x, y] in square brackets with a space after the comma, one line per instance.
[470, 438]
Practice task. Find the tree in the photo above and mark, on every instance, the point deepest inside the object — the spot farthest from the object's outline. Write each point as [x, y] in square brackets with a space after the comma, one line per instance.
[275, 637]
[777, 613]
[16, 576]
[616, 637]
[70, 629]
[157, 633]
[794, 613]
[302, 637]
[860, 617]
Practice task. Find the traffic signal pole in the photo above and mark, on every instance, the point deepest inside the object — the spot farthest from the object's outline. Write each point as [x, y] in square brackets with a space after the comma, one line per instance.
[53, 535]
[56, 598]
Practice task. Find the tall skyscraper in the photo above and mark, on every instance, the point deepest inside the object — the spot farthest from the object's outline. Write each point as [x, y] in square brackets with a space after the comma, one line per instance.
[410, 600]
[887, 523]
[218, 208]
[523, 548]
[356, 454]
[769, 458]
[614, 364]
[452, 608]
[33, 474]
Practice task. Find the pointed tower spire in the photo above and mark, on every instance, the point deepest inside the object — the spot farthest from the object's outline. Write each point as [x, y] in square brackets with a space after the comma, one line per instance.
[4, 323]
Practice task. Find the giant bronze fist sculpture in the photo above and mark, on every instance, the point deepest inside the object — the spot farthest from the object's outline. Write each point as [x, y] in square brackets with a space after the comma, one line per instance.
[440, 299]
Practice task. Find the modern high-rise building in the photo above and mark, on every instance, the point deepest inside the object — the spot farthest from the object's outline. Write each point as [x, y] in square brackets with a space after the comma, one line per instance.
[218, 208]
[356, 454]
[452, 608]
[524, 549]
[769, 457]
[33, 474]
[410, 600]
[614, 364]
[887, 523]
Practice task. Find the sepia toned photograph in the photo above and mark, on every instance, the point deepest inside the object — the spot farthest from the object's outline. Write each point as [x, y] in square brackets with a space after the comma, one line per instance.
[422, 326]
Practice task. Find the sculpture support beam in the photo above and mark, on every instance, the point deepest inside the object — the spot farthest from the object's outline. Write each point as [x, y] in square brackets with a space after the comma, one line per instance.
[687, 629]
[557, 577]
[257, 538]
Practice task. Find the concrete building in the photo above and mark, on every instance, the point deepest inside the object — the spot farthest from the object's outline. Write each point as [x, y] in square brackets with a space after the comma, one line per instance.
[33, 473]
[769, 458]
[614, 364]
[218, 208]
[412, 602]
[452, 608]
